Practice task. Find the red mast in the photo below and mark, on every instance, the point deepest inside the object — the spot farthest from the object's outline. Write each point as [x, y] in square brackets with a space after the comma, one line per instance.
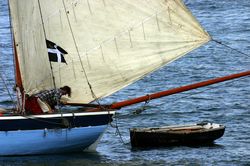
[19, 85]
[17, 69]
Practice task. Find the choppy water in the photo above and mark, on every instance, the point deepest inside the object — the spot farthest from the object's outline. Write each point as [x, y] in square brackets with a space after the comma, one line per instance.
[225, 103]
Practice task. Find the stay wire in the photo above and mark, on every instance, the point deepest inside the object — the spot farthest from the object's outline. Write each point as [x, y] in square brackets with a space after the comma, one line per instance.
[210, 88]
[12, 50]
[6, 87]
[220, 43]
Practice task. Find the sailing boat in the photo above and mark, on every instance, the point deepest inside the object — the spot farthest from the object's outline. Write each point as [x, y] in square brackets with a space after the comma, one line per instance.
[97, 48]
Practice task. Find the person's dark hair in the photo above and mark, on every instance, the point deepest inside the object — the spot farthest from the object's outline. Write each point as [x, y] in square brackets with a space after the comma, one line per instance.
[67, 89]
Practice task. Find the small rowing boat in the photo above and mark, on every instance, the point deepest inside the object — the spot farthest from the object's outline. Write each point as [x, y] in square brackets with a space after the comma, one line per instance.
[194, 134]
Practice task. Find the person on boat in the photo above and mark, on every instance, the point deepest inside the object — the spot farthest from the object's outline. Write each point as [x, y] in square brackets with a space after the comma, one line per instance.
[45, 101]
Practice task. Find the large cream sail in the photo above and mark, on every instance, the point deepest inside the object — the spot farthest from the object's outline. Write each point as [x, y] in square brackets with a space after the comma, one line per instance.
[110, 43]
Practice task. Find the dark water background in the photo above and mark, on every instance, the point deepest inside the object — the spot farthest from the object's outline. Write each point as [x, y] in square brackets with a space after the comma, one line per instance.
[226, 103]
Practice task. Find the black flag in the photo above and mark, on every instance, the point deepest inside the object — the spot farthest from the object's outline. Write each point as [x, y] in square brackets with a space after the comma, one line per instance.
[55, 52]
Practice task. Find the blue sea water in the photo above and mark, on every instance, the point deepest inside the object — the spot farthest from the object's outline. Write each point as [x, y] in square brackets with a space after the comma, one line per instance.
[226, 103]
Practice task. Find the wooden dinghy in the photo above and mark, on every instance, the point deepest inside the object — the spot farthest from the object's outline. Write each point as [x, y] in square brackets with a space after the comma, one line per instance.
[195, 134]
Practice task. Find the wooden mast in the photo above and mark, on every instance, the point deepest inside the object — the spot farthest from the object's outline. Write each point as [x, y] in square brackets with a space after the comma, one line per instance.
[19, 85]
[121, 104]
[17, 69]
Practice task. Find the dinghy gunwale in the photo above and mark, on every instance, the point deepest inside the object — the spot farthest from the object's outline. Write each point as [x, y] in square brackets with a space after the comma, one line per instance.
[175, 128]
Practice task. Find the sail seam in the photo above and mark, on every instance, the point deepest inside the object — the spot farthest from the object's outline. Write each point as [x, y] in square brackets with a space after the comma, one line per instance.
[128, 28]
[52, 74]
[78, 53]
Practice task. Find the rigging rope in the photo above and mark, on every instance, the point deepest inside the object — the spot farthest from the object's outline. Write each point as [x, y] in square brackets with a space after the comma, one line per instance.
[142, 108]
[6, 87]
[117, 131]
[220, 43]
[210, 88]
[2, 78]
[78, 53]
